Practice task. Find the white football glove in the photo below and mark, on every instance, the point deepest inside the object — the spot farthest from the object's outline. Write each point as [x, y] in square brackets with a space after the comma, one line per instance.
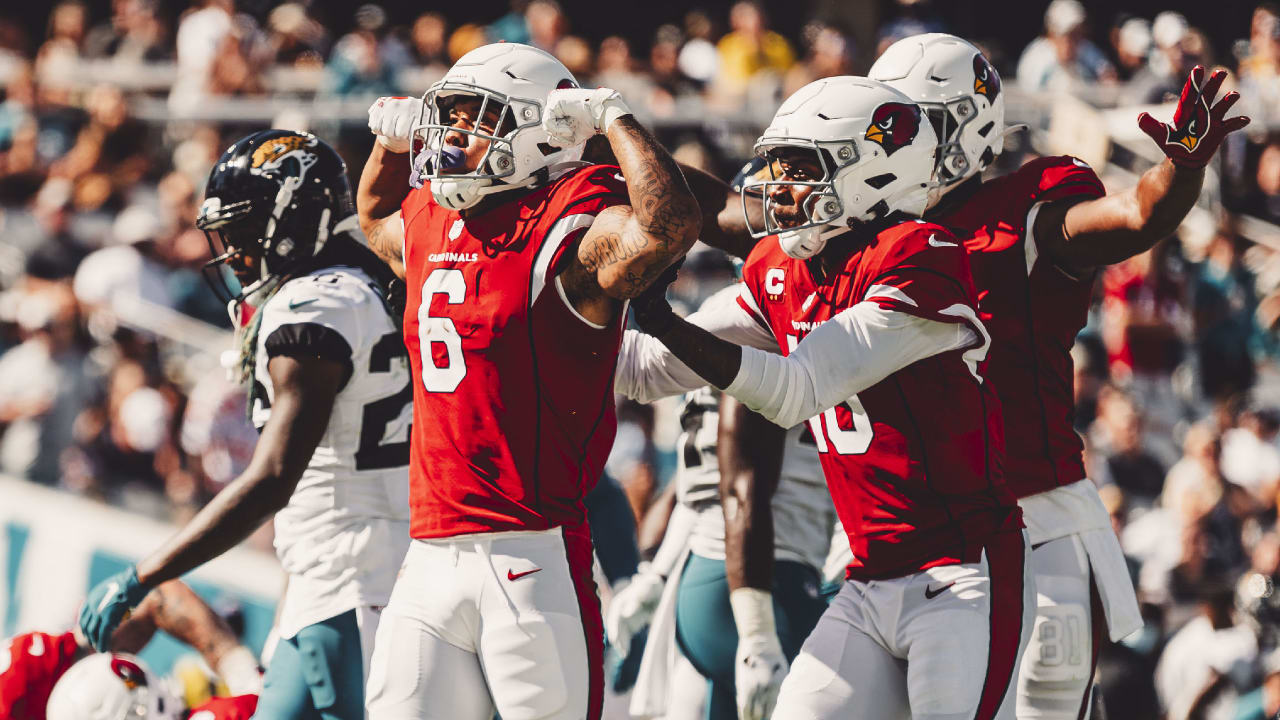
[759, 664]
[632, 608]
[392, 120]
[573, 115]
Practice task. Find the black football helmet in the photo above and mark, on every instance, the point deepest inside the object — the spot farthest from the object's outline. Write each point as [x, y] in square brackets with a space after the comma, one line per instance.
[271, 202]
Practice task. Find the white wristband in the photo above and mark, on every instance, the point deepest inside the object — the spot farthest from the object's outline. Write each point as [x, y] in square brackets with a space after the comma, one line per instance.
[753, 612]
[239, 669]
[612, 112]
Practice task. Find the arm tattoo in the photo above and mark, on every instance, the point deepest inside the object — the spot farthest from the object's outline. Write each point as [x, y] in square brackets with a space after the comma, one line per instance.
[385, 245]
[609, 249]
[664, 207]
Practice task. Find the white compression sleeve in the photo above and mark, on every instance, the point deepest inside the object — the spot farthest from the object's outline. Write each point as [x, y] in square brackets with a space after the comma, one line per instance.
[647, 370]
[854, 350]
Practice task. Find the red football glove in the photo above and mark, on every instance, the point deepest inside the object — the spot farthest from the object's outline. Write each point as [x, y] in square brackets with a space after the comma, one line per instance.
[1198, 128]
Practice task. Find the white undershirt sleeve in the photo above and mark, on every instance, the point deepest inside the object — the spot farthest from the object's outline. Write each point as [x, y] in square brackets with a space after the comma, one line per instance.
[647, 370]
[852, 351]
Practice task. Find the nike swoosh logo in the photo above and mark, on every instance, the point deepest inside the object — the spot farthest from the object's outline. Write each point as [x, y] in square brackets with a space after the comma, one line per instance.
[37, 646]
[930, 593]
[295, 304]
[517, 576]
[935, 242]
[112, 589]
[619, 177]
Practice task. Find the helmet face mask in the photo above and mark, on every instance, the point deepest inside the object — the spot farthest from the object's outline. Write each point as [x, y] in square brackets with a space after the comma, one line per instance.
[496, 111]
[790, 163]
[950, 121]
[509, 84]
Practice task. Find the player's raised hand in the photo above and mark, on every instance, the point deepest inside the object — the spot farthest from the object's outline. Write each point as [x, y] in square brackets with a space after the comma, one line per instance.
[1199, 124]
[632, 609]
[392, 120]
[108, 605]
[758, 669]
[573, 115]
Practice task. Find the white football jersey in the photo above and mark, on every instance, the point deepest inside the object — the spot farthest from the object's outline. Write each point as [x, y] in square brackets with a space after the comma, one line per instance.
[345, 530]
[802, 510]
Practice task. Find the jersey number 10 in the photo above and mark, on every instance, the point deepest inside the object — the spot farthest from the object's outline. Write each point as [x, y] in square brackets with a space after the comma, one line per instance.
[827, 433]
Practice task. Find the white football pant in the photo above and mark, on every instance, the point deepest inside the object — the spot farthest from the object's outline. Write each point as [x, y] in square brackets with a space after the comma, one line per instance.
[942, 644]
[506, 622]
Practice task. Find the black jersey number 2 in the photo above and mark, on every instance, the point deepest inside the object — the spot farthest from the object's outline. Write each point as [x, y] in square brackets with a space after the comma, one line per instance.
[373, 453]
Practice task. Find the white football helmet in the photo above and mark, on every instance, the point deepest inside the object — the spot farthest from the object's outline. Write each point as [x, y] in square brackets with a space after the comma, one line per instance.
[959, 91]
[875, 149]
[112, 686]
[516, 79]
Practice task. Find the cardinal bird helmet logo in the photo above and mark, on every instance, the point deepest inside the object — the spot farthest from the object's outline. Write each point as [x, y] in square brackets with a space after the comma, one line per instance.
[986, 82]
[893, 126]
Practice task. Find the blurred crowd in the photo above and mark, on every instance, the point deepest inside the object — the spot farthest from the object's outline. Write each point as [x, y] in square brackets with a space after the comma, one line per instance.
[103, 391]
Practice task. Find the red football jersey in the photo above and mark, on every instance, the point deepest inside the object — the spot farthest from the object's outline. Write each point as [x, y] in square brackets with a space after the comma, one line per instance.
[29, 668]
[913, 462]
[240, 707]
[513, 410]
[1033, 310]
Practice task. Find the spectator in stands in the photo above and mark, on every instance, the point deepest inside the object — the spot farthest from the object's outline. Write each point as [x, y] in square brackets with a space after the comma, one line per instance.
[829, 52]
[43, 383]
[750, 48]
[1117, 451]
[56, 58]
[466, 38]
[1131, 43]
[616, 68]
[428, 36]
[1262, 59]
[576, 55]
[1263, 702]
[512, 27]
[1168, 63]
[202, 33]
[1194, 483]
[547, 24]
[1210, 644]
[133, 34]
[1063, 59]
[911, 17]
[110, 281]
[111, 149]
[670, 83]
[1260, 65]
[1250, 458]
[296, 39]
[1268, 175]
[357, 66]
[1223, 304]
[699, 60]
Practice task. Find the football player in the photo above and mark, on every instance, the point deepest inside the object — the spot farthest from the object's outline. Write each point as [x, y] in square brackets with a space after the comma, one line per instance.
[883, 351]
[34, 663]
[330, 393]
[518, 262]
[761, 529]
[119, 685]
[1036, 238]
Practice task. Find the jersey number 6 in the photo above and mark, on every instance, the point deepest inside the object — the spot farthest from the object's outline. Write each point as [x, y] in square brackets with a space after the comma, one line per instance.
[431, 330]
